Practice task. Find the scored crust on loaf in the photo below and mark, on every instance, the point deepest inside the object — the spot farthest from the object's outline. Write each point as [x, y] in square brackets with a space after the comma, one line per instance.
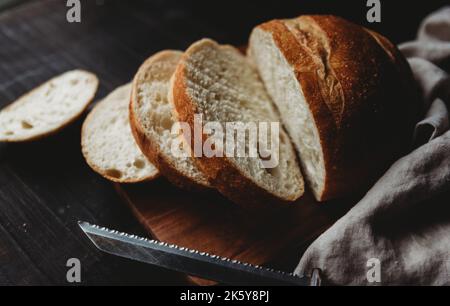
[220, 84]
[48, 108]
[108, 144]
[341, 95]
[151, 117]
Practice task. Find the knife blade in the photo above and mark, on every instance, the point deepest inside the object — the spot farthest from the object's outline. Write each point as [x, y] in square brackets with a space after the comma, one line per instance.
[192, 262]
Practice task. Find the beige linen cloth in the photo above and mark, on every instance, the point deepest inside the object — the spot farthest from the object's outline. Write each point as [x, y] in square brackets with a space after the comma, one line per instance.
[404, 220]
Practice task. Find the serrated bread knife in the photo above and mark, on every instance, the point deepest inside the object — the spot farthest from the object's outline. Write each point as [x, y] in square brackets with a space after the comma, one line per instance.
[195, 263]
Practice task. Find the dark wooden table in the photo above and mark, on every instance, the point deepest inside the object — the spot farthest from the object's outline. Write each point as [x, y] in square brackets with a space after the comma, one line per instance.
[45, 186]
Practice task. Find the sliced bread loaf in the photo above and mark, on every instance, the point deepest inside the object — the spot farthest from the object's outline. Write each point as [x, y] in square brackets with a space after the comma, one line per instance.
[151, 117]
[345, 95]
[108, 145]
[48, 108]
[219, 83]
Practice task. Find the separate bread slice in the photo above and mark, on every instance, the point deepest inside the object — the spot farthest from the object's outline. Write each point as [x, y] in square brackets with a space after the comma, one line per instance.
[108, 144]
[220, 84]
[151, 117]
[345, 95]
[48, 108]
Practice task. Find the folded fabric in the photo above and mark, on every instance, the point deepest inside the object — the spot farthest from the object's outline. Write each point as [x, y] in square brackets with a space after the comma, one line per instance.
[400, 230]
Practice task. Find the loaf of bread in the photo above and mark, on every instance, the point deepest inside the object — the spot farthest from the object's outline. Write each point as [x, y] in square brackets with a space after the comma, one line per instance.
[48, 108]
[108, 145]
[345, 94]
[218, 83]
[151, 118]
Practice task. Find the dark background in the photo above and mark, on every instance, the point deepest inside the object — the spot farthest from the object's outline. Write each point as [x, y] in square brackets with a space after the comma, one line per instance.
[45, 186]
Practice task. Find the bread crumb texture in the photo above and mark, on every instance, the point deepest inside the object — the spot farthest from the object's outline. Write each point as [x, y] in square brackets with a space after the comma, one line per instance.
[49, 107]
[108, 144]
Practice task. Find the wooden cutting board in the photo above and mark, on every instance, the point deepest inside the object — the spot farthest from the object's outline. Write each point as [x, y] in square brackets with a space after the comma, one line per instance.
[210, 223]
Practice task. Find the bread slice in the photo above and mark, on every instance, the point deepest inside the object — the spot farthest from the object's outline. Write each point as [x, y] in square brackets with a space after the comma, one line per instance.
[342, 96]
[151, 117]
[48, 108]
[108, 145]
[220, 84]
